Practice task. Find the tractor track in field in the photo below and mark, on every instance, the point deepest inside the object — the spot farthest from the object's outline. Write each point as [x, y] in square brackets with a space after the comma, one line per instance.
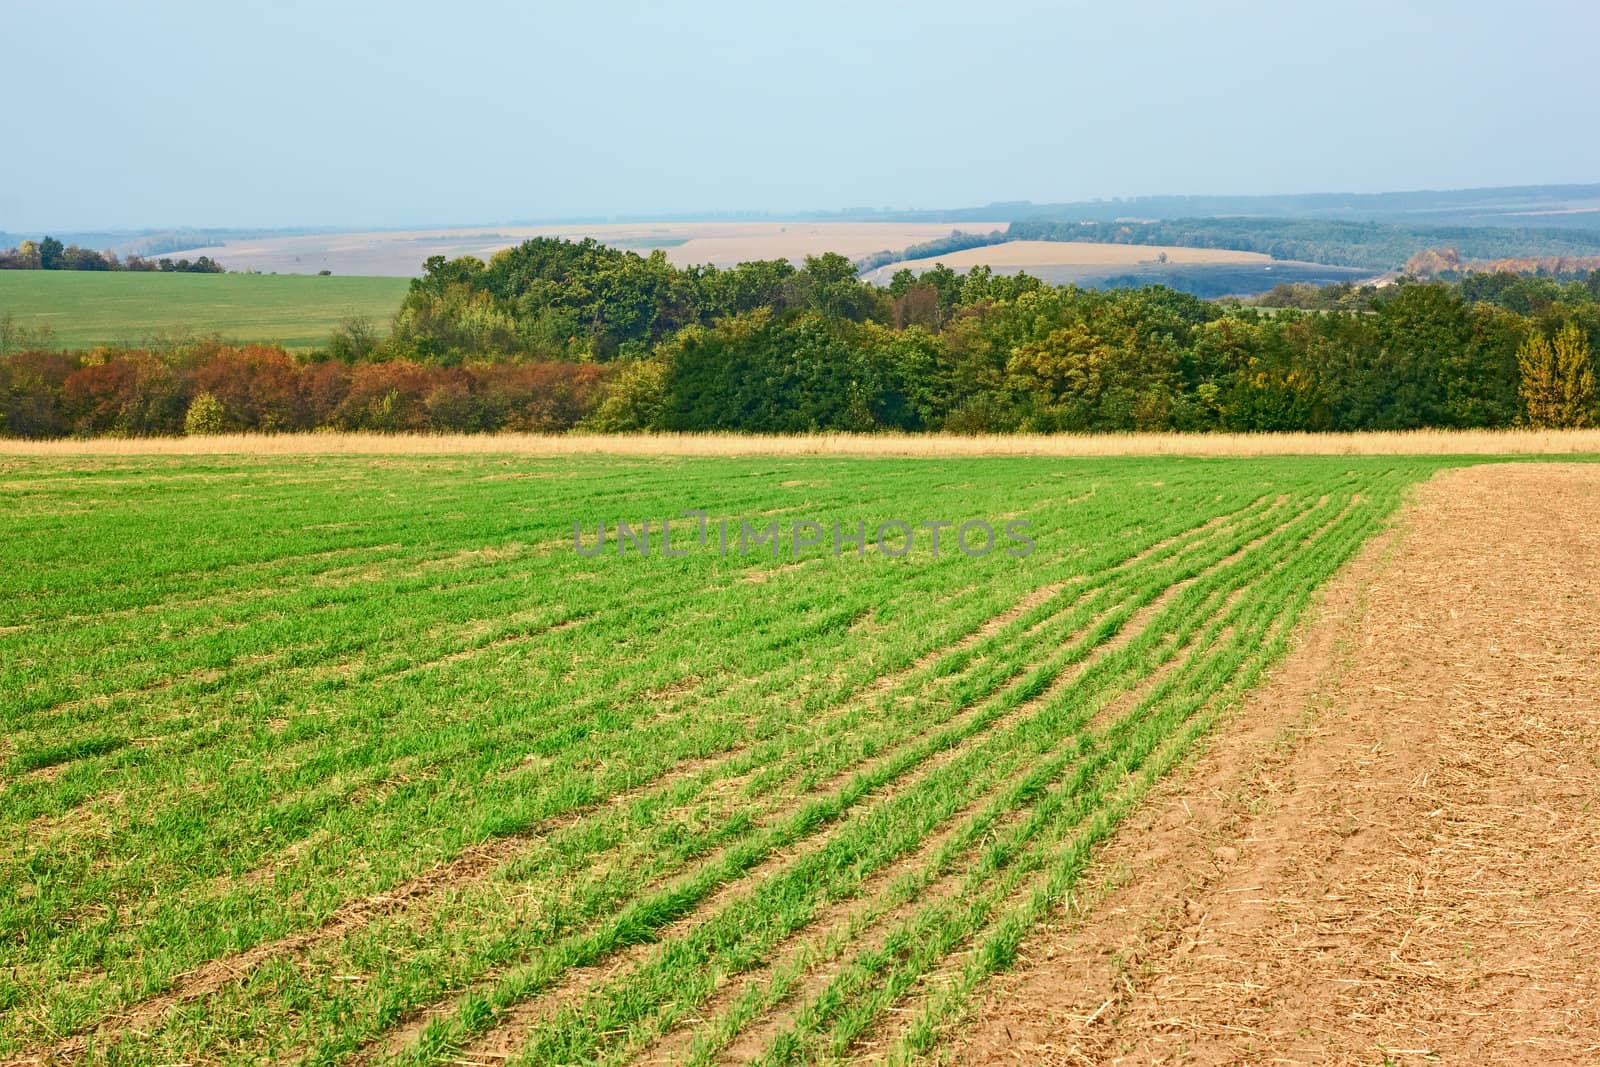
[1390, 854]
[507, 1037]
[478, 566]
[44, 825]
[1218, 630]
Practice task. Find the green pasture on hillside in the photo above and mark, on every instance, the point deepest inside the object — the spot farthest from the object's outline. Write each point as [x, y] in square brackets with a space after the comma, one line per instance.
[88, 308]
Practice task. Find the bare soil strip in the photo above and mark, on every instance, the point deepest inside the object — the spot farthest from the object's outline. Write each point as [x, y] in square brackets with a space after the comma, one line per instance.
[1392, 853]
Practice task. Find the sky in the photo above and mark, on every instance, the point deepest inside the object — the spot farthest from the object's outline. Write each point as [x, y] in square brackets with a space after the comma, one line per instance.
[282, 114]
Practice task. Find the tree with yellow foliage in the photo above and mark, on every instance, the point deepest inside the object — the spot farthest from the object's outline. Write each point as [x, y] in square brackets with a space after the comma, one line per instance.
[1557, 386]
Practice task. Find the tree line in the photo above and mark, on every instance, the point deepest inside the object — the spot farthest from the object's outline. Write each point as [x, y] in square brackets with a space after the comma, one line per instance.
[51, 254]
[958, 241]
[556, 335]
[1449, 263]
[211, 388]
[1377, 246]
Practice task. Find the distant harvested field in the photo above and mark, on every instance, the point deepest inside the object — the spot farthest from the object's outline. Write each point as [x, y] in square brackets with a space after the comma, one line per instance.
[87, 308]
[1406, 443]
[1078, 253]
[400, 253]
[1206, 272]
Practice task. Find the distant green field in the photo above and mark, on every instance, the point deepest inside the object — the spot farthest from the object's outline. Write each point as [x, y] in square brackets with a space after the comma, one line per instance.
[87, 308]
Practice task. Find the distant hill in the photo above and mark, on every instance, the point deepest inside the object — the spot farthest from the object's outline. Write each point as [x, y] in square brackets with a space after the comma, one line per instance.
[1514, 206]
[143, 242]
[1371, 231]
[1544, 206]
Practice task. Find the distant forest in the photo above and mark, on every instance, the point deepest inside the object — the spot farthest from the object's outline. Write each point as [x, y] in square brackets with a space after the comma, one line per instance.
[554, 335]
[1373, 245]
[51, 254]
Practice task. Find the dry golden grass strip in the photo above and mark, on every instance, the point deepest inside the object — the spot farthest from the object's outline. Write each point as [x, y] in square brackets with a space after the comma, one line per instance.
[1407, 443]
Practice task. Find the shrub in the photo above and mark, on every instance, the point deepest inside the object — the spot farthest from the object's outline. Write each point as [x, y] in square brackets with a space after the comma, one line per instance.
[538, 397]
[453, 407]
[387, 397]
[130, 394]
[633, 399]
[205, 416]
[259, 388]
[31, 394]
[980, 414]
[325, 386]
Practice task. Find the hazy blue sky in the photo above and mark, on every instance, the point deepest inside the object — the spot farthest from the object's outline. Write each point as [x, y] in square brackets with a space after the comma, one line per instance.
[286, 113]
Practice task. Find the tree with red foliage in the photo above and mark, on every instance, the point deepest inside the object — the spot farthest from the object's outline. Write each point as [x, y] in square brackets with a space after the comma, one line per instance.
[387, 397]
[325, 385]
[260, 387]
[133, 394]
[538, 397]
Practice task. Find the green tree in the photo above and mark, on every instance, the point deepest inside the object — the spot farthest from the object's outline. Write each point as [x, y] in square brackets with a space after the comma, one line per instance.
[1419, 330]
[50, 254]
[634, 399]
[828, 284]
[204, 417]
[354, 340]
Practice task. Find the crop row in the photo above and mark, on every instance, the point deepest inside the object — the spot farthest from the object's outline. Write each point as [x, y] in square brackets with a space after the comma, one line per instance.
[345, 760]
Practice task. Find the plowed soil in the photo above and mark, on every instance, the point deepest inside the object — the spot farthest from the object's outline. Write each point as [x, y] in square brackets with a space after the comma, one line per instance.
[1392, 854]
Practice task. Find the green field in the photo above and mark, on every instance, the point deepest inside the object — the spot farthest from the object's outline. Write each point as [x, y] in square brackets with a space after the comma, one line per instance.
[87, 308]
[339, 760]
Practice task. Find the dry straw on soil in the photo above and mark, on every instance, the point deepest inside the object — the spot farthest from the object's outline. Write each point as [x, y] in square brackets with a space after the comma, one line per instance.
[1409, 443]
